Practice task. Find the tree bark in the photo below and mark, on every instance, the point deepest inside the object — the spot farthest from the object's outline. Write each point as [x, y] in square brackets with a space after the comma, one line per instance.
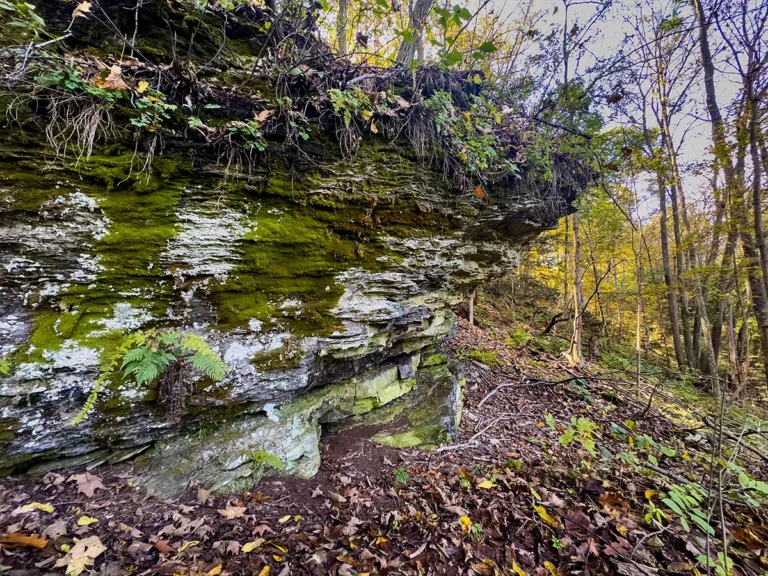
[341, 27]
[674, 313]
[419, 13]
[574, 353]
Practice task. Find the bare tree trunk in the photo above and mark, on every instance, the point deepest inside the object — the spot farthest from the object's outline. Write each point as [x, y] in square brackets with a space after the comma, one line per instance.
[674, 313]
[721, 148]
[566, 259]
[574, 353]
[419, 13]
[341, 27]
[472, 308]
[757, 194]
[681, 269]
[733, 361]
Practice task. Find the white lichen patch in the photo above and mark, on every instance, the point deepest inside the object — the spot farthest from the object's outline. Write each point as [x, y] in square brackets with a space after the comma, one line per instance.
[204, 244]
[74, 357]
[126, 317]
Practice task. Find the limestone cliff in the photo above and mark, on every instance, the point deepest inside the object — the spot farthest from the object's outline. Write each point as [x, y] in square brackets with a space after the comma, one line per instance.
[325, 281]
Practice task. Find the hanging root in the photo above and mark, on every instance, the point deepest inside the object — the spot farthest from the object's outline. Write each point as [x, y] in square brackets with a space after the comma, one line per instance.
[76, 122]
[173, 390]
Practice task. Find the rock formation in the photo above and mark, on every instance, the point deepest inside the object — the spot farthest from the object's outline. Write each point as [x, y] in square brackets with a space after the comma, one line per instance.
[324, 281]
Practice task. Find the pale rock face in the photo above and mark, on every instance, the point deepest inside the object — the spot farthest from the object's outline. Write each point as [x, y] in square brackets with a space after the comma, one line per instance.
[327, 298]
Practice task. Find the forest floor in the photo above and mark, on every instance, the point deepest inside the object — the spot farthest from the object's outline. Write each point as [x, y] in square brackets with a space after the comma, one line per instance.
[556, 471]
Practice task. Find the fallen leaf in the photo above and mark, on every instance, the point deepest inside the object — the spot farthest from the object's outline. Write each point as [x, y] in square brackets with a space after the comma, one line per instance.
[86, 520]
[285, 519]
[250, 546]
[317, 492]
[479, 192]
[143, 85]
[546, 516]
[482, 568]
[82, 555]
[17, 540]
[374, 129]
[232, 512]
[263, 115]
[164, 547]
[553, 570]
[517, 570]
[264, 571]
[113, 81]
[87, 483]
[55, 530]
[34, 506]
[458, 510]
[187, 545]
[215, 571]
[466, 523]
[338, 498]
[486, 485]
[233, 547]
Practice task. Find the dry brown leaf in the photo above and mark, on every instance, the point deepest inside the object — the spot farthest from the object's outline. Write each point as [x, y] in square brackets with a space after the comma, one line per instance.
[479, 191]
[81, 10]
[113, 81]
[203, 496]
[263, 115]
[232, 512]
[82, 555]
[87, 483]
[18, 540]
[338, 498]
[215, 571]
[55, 530]
[164, 547]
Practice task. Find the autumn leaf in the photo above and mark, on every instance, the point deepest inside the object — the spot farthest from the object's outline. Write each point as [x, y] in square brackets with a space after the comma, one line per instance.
[80, 11]
[114, 80]
[517, 570]
[143, 85]
[86, 520]
[374, 129]
[34, 506]
[187, 545]
[18, 540]
[263, 115]
[285, 519]
[546, 516]
[479, 191]
[553, 570]
[232, 512]
[87, 483]
[250, 546]
[338, 498]
[215, 571]
[486, 485]
[164, 548]
[264, 571]
[466, 524]
[82, 555]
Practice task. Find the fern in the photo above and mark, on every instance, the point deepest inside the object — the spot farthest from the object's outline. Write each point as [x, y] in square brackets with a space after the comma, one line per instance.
[146, 357]
[211, 366]
[146, 365]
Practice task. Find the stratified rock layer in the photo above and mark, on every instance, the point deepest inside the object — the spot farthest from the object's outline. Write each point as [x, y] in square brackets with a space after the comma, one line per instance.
[326, 292]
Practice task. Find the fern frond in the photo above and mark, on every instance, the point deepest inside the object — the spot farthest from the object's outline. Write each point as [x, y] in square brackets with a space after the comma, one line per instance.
[213, 367]
[194, 343]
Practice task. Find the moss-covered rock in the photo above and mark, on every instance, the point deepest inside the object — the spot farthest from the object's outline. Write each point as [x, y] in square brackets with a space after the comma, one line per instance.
[326, 293]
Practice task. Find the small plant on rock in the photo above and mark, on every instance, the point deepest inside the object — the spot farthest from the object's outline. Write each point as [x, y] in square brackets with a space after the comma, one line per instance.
[167, 357]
